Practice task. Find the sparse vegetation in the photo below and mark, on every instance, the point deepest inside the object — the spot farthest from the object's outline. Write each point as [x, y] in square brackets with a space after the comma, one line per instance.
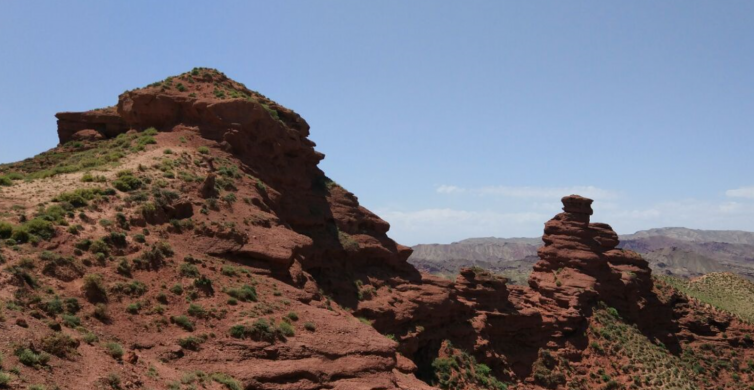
[114, 350]
[724, 291]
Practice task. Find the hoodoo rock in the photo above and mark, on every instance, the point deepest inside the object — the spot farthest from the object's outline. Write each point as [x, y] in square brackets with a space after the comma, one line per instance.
[580, 264]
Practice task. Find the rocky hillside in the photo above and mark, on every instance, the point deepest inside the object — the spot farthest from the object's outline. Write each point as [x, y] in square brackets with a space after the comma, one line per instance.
[695, 235]
[185, 238]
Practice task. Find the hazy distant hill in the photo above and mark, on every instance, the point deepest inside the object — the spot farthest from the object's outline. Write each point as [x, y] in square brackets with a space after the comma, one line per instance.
[693, 235]
[673, 251]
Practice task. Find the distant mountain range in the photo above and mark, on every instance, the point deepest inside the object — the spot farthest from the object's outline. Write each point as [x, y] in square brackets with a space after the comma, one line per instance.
[674, 251]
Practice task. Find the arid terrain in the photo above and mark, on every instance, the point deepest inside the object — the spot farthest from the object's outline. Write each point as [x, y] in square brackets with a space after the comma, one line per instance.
[185, 238]
[678, 252]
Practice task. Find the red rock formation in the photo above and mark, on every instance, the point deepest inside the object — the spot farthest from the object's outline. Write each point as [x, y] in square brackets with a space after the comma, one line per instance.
[581, 265]
[311, 234]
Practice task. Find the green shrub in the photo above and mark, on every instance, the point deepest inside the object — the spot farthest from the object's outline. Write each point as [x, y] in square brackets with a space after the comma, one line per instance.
[113, 380]
[6, 230]
[127, 182]
[165, 248]
[286, 329]
[244, 293]
[201, 149]
[101, 313]
[133, 308]
[30, 358]
[39, 227]
[134, 289]
[184, 322]
[189, 270]
[203, 283]
[146, 140]
[177, 289]
[310, 326]
[197, 311]
[94, 288]
[72, 305]
[59, 344]
[53, 306]
[227, 381]
[90, 338]
[4, 379]
[20, 235]
[84, 244]
[193, 343]
[114, 350]
[292, 316]
[116, 239]
[124, 267]
[99, 246]
[229, 270]
[71, 321]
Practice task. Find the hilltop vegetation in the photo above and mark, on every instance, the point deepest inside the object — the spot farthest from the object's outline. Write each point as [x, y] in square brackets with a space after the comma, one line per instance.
[724, 291]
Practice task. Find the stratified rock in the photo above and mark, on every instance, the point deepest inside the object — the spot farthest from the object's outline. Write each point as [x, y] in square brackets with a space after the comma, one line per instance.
[104, 121]
[580, 266]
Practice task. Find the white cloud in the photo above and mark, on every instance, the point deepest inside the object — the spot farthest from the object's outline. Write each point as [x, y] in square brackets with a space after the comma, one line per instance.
[446, 225]
[743, 192]
[443, 189]
[531, 192]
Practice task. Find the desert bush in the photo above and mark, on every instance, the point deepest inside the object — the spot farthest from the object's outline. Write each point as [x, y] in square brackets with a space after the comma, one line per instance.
[6, 230]
[70, 320]
[189, 270]
[196, 310]
[134, 289]
[127, 182]
[177, 289]
[124, 267]
[286, 329]
[94, 288]
[227, 381]
[244, 293]
[101, 313]
[114, 350]
[72, 305]
[30, 358]
[53, 306]
[59, 344]
[193, 343]
[99, 246]
[184, 322]
[133, 308]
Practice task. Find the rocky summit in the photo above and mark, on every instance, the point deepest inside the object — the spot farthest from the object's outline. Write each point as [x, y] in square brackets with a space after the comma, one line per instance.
[185, 238]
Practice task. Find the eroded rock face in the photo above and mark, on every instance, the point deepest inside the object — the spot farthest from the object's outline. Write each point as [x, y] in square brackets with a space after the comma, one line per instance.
[298, 227]
[105, 121]
[580, 264]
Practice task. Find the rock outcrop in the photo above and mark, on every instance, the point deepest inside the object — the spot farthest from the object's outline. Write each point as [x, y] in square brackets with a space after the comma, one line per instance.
[290, 283]
[581, 265]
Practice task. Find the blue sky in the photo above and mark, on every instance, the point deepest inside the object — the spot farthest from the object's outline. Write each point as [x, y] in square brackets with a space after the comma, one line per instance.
[448, 119]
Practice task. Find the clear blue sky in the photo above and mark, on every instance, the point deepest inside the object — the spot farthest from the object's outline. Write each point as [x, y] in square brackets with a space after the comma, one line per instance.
[450, 120]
